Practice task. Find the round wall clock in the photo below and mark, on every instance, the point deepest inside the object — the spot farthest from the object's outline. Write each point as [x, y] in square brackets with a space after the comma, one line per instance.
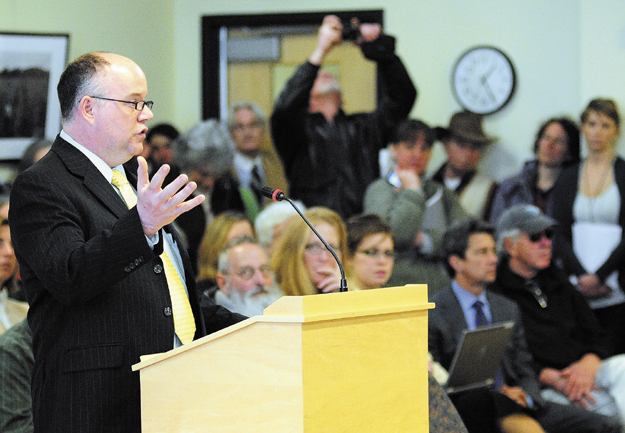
[483, 80]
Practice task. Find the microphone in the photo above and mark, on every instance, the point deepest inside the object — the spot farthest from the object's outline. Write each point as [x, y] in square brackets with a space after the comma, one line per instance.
[278, 195]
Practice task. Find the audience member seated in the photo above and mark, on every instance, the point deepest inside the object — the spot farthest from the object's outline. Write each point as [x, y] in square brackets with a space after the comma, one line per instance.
[470, 249]
[370, 263]
[16, 365]
[419, 210]
[256, 162]
[371, 254]
[302, 264]
[205, 153]
[272, 220]
[160, 140]
[329, 156]
[556, 146]
[33, 153]
[227, 226]
[464, 141]
[12, 311]
[245, 281]
[569, 348]
[158, 150]
[588, 201]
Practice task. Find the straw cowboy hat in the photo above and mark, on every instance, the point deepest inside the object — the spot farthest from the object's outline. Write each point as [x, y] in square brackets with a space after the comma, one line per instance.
[464, 126]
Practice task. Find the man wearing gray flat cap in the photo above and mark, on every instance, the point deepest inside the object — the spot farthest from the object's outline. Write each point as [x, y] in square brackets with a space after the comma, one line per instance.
[571, 353]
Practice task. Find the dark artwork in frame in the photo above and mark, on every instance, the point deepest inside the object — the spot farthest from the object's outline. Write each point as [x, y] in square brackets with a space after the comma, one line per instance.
[30, 67]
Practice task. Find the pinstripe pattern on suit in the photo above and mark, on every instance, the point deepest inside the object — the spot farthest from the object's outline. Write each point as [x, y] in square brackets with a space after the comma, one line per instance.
[98, 294]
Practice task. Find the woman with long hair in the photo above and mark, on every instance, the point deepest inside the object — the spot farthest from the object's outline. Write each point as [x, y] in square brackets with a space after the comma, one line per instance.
[302, 264]
[224, 228]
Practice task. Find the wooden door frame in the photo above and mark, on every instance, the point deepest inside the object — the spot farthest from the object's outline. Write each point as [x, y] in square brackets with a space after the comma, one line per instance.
[211, 25]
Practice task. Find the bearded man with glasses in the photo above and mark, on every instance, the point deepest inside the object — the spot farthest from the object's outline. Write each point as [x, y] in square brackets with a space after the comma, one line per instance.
[571, 352]
[245, 281]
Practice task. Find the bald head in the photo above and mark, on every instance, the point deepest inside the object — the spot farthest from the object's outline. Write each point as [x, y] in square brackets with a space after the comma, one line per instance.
[98, 92]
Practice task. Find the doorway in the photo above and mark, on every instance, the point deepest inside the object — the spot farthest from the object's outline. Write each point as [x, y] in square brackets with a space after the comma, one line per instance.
[227, 81]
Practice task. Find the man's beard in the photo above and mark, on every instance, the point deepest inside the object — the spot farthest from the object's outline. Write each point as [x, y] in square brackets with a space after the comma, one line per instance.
[253, 302]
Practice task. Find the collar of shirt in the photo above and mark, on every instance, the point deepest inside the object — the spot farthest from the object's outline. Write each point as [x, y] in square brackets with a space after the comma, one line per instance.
[244, 166]
[452, 184]
[99, 163]
[467, 299]
[4, 318]
[393, 179]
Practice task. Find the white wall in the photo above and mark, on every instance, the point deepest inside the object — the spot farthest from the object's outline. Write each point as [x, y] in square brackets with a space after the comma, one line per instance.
[602, 68]
[565, 51]
[140, 29]
[542, 39]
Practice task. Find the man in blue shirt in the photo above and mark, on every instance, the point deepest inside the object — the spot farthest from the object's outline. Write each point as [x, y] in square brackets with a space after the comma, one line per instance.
[470, 249]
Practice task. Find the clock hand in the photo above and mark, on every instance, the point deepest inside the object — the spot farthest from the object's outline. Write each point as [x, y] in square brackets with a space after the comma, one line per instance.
[487, 74]
[488, 90]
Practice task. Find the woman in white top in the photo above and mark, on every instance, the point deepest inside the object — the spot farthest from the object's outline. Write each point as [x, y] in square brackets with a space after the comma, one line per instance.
[587, 201]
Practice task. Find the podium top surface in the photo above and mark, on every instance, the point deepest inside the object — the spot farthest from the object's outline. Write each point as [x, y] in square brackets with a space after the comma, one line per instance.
[315, 308]
[351, 304]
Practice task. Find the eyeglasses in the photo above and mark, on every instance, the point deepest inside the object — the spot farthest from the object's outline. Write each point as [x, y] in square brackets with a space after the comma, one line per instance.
[375, 253]
[317, 249]
[556, 140]
[538, 294]
[547, 233]
[240, 126]
[139, 105]
[247, 272]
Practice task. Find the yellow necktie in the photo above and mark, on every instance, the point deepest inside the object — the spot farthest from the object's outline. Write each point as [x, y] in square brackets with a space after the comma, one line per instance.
[184, 323]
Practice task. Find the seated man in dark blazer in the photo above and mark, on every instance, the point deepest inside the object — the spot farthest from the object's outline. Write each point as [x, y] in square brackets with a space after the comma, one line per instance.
[470, 249]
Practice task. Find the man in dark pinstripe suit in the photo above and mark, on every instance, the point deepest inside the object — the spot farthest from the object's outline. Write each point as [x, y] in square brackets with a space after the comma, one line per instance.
[91, 267]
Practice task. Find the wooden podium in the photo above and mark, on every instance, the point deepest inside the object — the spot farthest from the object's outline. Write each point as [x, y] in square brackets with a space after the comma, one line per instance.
[339, 362]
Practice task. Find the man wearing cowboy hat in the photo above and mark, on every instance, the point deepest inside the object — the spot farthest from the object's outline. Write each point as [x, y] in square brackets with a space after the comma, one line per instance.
[464, 142]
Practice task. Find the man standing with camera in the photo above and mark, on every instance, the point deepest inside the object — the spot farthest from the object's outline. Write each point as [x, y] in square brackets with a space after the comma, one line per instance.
[330, 157]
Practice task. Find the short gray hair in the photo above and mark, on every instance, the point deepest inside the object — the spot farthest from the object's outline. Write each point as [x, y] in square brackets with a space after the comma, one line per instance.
[206, 145]
[271, 216]
[223, 263]
[258, 112]
[513, 234]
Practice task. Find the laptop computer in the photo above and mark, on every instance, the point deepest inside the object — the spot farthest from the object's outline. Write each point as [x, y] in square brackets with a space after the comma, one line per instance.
[477, 360]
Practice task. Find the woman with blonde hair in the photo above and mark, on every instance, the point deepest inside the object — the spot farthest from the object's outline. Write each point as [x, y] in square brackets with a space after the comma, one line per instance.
[224, 228]
[301, 263]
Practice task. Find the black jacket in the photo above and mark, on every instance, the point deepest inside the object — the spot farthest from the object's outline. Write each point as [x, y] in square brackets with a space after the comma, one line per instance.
[331, 164]
[562, 332]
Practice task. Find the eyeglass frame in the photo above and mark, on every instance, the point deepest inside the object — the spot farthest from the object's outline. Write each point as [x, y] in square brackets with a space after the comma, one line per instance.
[265, 270]
[317, 249]
[252, 125]
[149, 104]
[374, 253]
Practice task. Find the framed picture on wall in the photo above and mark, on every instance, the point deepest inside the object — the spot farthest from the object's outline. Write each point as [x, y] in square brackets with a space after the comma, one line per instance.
[30, 68]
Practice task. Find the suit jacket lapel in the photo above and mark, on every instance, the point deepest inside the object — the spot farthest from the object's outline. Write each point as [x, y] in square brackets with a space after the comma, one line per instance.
[80, 166]
[453, 310]
[498, 311]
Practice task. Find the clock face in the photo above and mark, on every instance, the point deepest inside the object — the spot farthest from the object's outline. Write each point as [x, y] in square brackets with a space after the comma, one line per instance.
[483, 80]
